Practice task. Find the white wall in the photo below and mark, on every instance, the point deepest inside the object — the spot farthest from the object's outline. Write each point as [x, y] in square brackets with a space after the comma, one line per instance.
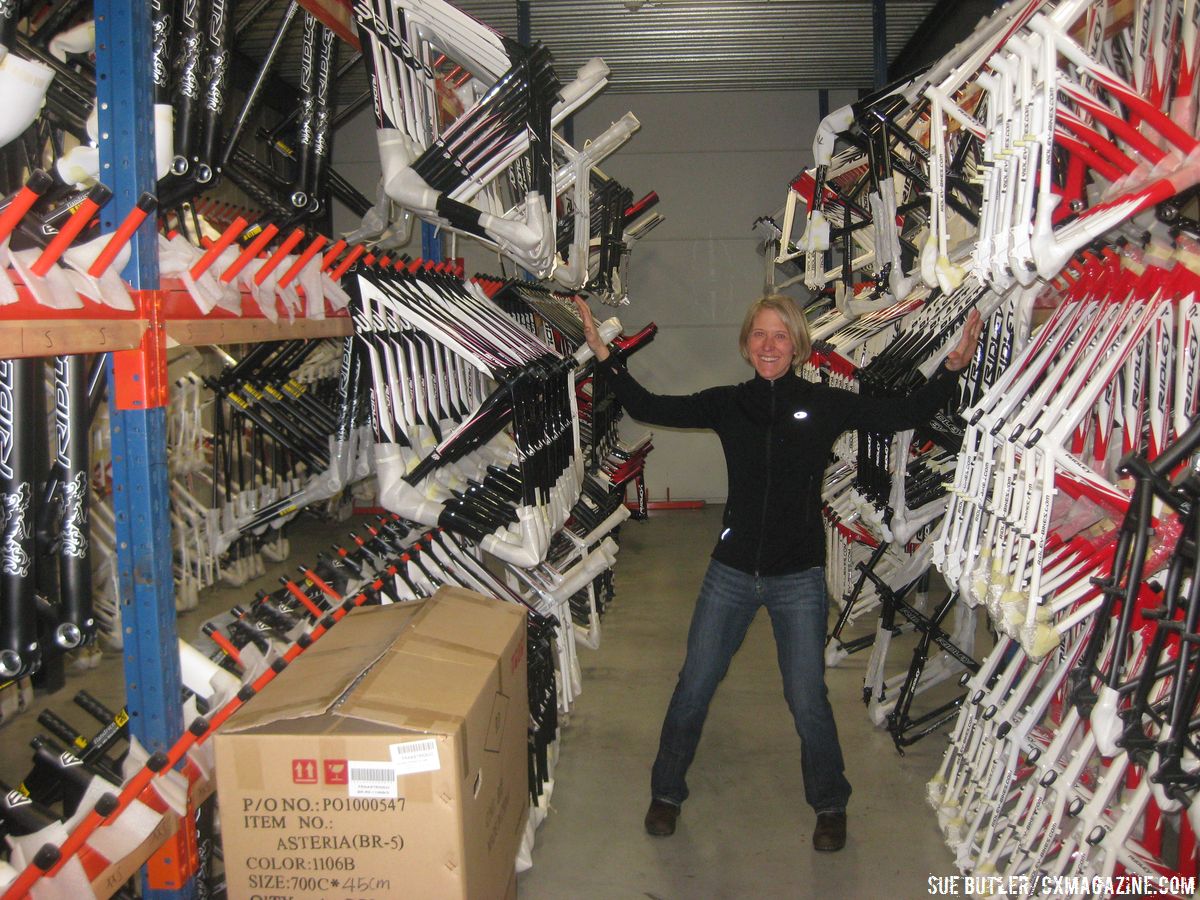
[718, 161]
[356, 158]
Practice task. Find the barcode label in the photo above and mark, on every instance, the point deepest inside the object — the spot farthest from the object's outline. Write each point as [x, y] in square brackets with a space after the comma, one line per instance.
[371, 778]
[415, 756]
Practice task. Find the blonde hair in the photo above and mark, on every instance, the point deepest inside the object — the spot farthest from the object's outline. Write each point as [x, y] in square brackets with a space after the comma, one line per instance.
[793, 320]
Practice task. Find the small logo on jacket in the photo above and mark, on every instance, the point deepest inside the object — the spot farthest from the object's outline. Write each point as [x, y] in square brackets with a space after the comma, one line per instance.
[799, 414]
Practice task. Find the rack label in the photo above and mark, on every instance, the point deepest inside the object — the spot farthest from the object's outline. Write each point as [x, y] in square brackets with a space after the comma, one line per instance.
[415, 756]
[372, 778]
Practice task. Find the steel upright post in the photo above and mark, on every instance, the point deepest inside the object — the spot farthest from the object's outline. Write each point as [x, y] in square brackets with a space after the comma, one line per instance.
[879, 43]
[137, 404]
[431, 242]
[524, 23]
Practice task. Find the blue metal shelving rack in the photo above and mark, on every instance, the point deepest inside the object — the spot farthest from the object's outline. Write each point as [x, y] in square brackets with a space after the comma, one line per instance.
[137, 403]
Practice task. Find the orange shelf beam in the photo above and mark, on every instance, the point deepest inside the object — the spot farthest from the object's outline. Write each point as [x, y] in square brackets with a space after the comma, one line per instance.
[337, 16]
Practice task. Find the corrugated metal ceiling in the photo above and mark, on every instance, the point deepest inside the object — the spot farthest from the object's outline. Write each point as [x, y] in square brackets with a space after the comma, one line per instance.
[718, 45]
[664, 45]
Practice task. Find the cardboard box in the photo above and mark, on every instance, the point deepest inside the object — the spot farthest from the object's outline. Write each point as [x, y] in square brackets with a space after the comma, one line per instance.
[388, 760]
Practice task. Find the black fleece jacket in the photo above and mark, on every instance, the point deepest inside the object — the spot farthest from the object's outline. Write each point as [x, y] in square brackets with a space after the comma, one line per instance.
[777, 437]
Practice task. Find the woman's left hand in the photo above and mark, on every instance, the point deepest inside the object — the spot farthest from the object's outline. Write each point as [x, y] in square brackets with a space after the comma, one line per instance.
[960, 357]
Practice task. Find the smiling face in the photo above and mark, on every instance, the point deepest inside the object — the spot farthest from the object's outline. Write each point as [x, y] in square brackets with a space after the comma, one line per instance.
[769, 345]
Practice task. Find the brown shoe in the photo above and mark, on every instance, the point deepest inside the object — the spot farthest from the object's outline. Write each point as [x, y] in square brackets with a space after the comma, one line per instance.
[830, 833]
[660, 818]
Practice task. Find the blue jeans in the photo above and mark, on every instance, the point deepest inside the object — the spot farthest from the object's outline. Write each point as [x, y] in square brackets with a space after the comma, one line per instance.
[727, 604]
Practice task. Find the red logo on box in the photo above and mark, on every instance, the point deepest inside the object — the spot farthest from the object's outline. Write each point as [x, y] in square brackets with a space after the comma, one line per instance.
[304, 771]
[336, 771]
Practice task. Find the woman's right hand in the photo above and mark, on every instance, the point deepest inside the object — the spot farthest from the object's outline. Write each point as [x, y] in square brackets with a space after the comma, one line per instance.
[590, 333]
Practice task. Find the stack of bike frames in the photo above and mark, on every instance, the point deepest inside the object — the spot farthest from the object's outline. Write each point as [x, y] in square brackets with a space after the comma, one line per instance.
[1085, 579]
[896, 371]
[233, 488]
[610, 466]
[1013, 152]
[44, 485]
[191, 60]
[1086, 123]
[48, 596]
[112, 793]
[251, 254]
[573, 581]
[499, 464]
[289, 432]
[480, 157]
[1083, 763]
[872, 572]
[1051, 125]
[858, 535]
[600, 222]
[50, 82]
[1067, 121]
[610, 462]
[553, 317]
[286, 271]
[885, 494]
[1037, 492]
[272, 411]
[196, 147]
[881, 176]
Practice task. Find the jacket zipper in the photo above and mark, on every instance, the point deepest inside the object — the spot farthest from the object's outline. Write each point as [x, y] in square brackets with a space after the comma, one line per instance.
[762, 529]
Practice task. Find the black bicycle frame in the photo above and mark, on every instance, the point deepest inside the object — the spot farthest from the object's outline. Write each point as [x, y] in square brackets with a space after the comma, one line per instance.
[19, 651]
[77, 625]
[188, 84]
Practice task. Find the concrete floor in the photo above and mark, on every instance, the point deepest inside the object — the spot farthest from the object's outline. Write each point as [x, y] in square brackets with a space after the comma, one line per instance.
[746, 830]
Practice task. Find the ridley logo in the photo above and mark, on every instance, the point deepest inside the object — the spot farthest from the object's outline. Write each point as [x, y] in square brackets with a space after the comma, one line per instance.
[62, 422]
[368, 18]
[1164, 349]
[1191, 356]
[6, 418]
[191, 13]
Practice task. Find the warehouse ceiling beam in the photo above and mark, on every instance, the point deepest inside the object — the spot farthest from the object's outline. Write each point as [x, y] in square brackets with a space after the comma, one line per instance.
[879, 43]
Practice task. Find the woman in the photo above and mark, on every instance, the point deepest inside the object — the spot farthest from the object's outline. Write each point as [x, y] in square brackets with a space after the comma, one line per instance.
[777, 431]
